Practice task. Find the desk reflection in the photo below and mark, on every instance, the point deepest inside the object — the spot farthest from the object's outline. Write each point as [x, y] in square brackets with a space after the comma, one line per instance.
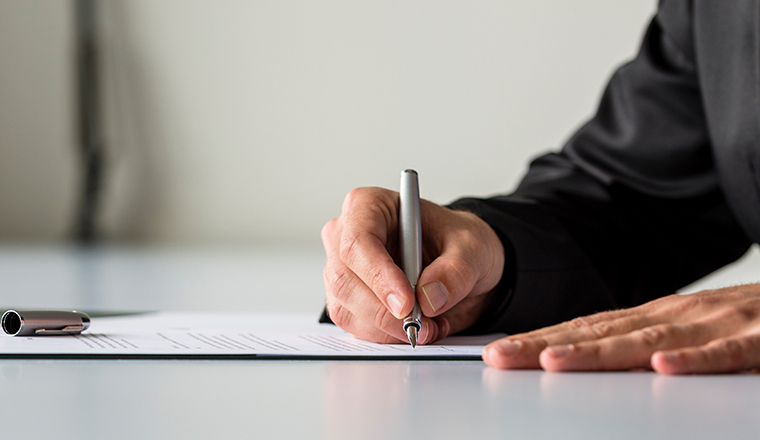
[368, 397]
[392, 399]
[640, 404]
[366, 400]
[718, 405]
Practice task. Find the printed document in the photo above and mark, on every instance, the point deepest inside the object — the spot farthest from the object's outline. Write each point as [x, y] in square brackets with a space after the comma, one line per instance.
[190, 335]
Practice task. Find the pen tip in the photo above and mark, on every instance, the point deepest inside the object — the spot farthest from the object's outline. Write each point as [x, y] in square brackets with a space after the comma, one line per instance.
[411, 333]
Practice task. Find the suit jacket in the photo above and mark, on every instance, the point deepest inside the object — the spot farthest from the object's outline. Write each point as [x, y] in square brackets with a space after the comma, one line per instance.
[660, 188]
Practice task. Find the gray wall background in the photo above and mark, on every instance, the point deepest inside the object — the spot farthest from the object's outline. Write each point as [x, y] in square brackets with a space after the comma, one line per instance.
[247, 122]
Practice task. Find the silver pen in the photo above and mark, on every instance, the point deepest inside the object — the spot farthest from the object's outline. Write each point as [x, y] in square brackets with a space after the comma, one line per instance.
[410, 246]
[44, 322]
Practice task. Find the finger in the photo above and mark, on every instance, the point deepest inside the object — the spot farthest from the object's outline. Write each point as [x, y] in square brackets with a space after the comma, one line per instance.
[331, 234]
[346, 290]
[444, 283]
[354, 308]
[522, 351]
[367, 220]
[357, 328]
[338, 277]
[502, 354]
[470, 260]
[719, 356]
[444, 327]
[627, 351]
[429, 332]
[583, 322]
[367, 258]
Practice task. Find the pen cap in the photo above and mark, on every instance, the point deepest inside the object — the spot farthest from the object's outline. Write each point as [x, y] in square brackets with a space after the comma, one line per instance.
[43, 322]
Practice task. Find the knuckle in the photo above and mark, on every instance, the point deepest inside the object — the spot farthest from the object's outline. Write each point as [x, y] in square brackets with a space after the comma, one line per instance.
[379, 277]
[734, 352]
[376, 278]
[338, 314]
[675, 304]
[750, 311]
[709, 299]
[671, 300]
[469, 239]
[328, 230]
[348, 246]
[600, 329]
[609, 315]
[700, 300]
[366, 196]
[353, 196]
[740, 312]
[471, 244]
[383, 319]
[337, 282]
[581, 322]
[658, 305]
[682, 304]
[652, 336]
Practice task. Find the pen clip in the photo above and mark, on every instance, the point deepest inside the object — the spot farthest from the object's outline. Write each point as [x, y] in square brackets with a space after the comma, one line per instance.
[69, 329]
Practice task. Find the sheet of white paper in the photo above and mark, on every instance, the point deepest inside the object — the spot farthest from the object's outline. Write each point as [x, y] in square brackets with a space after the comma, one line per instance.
[191, 334]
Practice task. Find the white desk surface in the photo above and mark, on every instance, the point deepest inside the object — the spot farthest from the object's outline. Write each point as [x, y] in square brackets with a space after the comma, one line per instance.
[312, 399]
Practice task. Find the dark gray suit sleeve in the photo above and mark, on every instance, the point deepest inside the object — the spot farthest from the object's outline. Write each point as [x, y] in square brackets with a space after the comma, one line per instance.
[629, 210]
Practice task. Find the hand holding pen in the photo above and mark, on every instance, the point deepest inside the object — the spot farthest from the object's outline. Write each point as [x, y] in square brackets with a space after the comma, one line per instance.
[369, 295]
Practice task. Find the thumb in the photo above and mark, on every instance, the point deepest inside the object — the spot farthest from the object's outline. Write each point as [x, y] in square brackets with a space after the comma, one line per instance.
[470, 263]
[445, 282]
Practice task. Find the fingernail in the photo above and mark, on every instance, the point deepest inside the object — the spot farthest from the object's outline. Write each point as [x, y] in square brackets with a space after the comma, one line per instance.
[669, 356]
[424, 335]
[560, 351]
[396, 304]
[509, 348]
[436, 294]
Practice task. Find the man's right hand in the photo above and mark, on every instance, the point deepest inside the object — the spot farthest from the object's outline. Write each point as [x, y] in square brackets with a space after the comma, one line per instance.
[368, 294]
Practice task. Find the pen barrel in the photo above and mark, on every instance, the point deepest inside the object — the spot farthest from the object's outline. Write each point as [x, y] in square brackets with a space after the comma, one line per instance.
[43, 322]
[410, 226]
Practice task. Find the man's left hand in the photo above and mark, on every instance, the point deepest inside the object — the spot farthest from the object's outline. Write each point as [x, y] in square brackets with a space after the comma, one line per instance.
[713, 331]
